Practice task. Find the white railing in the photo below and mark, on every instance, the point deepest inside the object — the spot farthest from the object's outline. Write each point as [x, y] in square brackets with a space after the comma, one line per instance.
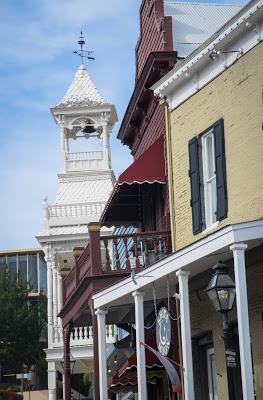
[76, 210]
[83, 336]
[84, 155]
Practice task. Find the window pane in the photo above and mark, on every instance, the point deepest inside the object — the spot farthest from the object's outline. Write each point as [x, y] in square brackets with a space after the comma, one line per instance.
[22, 267]
[2, 262]
[32, 271]
[210, 156]
[43, 273]
[11, 262]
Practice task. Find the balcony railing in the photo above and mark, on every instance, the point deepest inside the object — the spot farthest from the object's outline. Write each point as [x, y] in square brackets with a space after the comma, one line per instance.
[83, 161]
[60, 214]
[83, 336]
[116, 254]
[84, 155]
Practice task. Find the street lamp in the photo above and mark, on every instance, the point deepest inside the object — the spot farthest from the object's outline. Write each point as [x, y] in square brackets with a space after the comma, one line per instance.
[222, 292]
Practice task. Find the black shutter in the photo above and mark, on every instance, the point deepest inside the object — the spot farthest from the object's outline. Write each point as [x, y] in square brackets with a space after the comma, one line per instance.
[194, 174]
[220, 163]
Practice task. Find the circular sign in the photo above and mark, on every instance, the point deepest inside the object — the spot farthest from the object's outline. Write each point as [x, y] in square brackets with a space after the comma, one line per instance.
[163, 331]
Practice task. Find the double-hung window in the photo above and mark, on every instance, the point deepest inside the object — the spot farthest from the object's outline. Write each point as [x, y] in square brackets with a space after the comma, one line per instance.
[209, 178]
[207, 172]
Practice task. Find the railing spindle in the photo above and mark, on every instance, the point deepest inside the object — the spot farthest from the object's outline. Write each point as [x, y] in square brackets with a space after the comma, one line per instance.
[136, 253]
[108, 266]
[126, 252]
[145, 250]
[117, 257]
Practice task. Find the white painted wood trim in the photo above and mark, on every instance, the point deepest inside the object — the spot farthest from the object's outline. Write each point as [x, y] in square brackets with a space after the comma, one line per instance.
[243, 232]
[183, 277]
[243, 32]
[101, 316]
[243, 320]
[140, 350]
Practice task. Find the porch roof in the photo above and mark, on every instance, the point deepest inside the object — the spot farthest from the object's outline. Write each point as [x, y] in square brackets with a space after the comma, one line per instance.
[196, 258]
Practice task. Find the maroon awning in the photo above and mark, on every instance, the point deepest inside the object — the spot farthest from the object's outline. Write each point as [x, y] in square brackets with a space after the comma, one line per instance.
[123, 207]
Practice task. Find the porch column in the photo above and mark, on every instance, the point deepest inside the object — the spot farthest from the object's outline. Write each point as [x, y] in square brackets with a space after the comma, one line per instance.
[67, 380]
[95, 355]
[186, 334]
[101, 316]
[55, 299]
[238, 250]
[52, 380]
[140, 350]
[48, 258]
[60, 296]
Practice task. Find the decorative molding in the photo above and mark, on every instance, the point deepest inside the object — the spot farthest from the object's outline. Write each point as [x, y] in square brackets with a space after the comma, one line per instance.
[231, 42]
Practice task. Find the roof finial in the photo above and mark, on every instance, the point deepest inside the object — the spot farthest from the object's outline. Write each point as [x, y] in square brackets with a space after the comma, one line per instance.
[82, 52]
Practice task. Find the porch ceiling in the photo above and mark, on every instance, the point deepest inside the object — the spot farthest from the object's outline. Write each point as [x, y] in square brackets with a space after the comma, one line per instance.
[196, 258]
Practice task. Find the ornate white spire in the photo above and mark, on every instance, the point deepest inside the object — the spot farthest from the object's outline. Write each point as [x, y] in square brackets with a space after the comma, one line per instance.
[82, 91]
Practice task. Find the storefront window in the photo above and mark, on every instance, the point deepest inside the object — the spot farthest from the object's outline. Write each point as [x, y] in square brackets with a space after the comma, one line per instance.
[32, 272]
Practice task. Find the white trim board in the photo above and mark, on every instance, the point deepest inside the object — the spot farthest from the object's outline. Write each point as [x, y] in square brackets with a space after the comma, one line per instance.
[243, 232]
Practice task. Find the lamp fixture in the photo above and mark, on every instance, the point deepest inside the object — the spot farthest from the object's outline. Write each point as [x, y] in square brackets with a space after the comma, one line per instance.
[221, 288]
[215, 54]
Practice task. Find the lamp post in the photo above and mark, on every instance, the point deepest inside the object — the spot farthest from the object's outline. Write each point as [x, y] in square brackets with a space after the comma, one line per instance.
[222, 292]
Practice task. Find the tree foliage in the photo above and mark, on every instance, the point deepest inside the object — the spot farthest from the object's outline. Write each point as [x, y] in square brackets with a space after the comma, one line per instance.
[21, 323]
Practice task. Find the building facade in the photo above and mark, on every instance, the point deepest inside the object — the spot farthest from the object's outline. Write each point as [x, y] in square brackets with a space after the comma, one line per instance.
[84, 184]
[99, 289]
[213, 138]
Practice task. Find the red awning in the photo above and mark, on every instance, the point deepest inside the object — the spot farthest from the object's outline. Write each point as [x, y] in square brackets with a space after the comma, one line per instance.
[126, 375]
[123, 207]
[148, 168]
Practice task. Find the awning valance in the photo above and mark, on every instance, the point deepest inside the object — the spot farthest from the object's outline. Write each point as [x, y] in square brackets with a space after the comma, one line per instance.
[123, 207]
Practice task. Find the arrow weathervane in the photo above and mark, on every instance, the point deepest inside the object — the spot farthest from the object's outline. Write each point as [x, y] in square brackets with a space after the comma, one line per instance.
[83, 53]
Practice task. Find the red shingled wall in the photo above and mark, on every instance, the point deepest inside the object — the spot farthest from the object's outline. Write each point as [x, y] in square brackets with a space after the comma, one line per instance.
[155, 32]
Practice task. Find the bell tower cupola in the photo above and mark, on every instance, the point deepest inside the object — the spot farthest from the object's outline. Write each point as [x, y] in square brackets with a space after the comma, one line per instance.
[83, 114]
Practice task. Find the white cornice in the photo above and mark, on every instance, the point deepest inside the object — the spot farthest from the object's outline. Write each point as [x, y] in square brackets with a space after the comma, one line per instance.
[241, 33]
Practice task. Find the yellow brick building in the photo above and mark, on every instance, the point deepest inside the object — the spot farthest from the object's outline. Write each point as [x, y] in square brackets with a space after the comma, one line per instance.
[214, 138]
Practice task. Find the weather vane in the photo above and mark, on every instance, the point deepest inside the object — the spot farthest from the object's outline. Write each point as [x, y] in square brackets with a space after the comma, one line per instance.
[83, 53]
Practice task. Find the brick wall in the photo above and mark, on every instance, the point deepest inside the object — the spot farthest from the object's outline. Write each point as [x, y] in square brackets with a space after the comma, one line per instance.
[236, 96]
[204, 318]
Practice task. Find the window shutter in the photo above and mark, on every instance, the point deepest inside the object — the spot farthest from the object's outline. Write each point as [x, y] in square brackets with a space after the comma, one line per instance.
[220, 163]
[194, 174]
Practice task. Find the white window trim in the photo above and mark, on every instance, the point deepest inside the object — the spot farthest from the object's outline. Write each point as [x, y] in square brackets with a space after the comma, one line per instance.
[209, 223]
[211, 387]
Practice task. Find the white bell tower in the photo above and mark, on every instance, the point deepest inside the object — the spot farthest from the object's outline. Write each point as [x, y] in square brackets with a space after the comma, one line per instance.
[85, 181]
[84, 114]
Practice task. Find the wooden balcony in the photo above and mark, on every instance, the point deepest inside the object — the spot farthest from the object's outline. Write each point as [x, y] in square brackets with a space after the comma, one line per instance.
[115, 256]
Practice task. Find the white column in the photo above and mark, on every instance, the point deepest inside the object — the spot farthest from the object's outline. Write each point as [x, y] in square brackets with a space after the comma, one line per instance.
[63, 385]
[140, 350]
[55, 294]
[60, 296]
[238, 250]
[186, 334]
[101, 315]
[48, 259]
[62, 147]
[105, 142]
[52, 381]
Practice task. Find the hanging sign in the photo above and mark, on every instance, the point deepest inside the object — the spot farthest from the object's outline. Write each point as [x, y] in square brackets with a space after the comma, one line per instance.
[163, 331]
[231, 358]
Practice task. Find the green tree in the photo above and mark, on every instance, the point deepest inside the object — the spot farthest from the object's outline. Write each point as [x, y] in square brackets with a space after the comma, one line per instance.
[21, 324]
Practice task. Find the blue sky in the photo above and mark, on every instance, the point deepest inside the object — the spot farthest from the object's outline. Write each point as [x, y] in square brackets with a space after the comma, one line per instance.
[36, 68]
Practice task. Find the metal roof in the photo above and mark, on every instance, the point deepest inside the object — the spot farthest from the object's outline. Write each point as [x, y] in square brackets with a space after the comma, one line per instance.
[194, 23]
[82, 91]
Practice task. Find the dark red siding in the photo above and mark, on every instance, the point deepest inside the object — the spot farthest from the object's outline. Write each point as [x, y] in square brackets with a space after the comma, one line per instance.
[155, 32]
